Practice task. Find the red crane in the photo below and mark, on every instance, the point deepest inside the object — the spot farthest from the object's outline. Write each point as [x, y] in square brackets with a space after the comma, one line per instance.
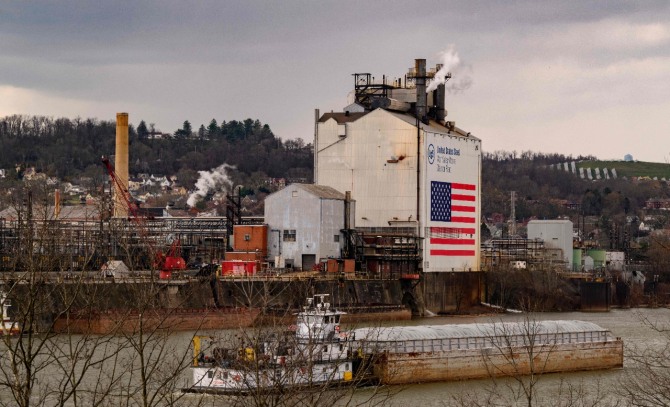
[173, 261]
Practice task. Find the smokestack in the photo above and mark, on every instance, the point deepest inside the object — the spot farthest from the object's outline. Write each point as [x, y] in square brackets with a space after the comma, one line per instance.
[56, 203]
[121, 164]
[420, 72]
[441, 113]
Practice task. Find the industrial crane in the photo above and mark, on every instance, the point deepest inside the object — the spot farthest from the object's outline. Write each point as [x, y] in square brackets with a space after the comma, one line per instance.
[166, 263]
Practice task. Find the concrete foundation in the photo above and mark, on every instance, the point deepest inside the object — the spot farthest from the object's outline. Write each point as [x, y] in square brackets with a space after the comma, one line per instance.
[449, 292]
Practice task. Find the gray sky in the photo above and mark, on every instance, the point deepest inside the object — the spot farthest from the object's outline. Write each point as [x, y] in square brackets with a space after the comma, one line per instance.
[570, 77]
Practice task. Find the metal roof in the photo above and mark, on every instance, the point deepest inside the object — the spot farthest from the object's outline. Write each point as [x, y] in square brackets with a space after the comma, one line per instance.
[67, 212]
[321, 191]
[427, 332]
[433, 126]
[342, 117]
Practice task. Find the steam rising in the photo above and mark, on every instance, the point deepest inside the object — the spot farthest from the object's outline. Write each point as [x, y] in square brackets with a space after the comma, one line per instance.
[451, 62]
[211, 181]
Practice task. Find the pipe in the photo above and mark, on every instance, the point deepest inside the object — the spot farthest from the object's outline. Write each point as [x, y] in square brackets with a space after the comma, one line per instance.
[316, 146]
[418, 172]
[347, 210]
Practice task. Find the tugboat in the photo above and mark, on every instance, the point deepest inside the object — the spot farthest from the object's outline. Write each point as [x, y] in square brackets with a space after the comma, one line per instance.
[9, 327]
[312, 353]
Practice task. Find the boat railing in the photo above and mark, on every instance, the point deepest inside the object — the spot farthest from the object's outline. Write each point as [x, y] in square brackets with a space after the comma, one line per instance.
[481, 342]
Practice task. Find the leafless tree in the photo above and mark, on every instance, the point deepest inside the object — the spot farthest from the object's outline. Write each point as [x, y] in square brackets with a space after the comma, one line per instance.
[63, 355]
[246, 349]
[41, 366]
[647, 380]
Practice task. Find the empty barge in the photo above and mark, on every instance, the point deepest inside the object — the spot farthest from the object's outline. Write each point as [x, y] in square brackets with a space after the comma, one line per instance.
[413, 354]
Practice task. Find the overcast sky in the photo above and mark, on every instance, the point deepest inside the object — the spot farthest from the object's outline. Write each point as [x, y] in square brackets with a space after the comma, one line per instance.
[570, 77]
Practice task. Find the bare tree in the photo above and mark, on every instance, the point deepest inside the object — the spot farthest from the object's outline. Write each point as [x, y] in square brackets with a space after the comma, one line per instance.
[274, 366]
[42, 366]
[647, 381]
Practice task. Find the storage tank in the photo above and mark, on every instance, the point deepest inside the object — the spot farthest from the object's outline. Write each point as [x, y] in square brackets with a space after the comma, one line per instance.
[599, 257]
[576, 259]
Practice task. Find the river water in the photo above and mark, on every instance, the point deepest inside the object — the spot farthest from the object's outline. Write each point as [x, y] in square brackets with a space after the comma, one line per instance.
[571, 389]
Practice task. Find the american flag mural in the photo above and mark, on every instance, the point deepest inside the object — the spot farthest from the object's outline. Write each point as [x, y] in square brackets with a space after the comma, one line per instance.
[453, 208]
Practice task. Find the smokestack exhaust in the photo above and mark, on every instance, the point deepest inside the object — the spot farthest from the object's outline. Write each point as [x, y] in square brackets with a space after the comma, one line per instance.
[121, 164]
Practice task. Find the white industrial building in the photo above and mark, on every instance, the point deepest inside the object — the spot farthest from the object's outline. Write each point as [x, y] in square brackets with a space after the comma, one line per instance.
[556, 234]
[305, 223]
[410, 171]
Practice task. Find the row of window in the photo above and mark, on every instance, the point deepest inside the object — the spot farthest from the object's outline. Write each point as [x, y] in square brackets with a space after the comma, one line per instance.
[289, 235]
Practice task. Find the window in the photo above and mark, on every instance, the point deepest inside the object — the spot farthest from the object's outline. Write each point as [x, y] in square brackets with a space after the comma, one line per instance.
[247, 237]
[336, 238]
[289, 235]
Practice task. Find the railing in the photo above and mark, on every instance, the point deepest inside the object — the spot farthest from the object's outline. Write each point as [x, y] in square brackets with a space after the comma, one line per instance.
[369, 346]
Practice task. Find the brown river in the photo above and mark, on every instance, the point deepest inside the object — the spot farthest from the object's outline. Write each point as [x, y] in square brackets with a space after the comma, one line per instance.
[594, 388]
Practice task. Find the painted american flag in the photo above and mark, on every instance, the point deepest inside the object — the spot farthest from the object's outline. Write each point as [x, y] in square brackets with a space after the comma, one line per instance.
[454, 205]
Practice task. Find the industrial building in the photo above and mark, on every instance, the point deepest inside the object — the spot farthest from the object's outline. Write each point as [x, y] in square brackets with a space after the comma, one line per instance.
[411, 172]
[556, 234]
[305, 223]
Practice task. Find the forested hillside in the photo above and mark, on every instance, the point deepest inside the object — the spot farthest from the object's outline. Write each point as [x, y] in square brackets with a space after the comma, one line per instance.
[544, 192]
[69, 148]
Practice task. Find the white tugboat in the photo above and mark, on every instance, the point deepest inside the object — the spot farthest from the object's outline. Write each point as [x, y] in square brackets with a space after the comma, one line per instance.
[9, 327]
[313, 353]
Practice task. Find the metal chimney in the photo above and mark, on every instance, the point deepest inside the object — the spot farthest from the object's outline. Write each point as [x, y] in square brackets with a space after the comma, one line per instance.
[440, 92]
[420, 80]
[121, 164]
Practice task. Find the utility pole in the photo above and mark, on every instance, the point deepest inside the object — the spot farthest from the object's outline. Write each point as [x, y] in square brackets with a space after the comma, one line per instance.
[512, 229]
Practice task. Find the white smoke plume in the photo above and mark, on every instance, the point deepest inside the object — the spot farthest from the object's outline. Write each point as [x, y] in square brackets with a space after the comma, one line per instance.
[451, 63]
[211, 181]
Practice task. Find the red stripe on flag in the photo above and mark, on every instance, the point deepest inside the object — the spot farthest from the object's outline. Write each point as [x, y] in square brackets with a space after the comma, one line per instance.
[467, 187]
[451, 231]
[462, 219]
[440, 240]
[459, 197]
[462, 208]
[452, 252]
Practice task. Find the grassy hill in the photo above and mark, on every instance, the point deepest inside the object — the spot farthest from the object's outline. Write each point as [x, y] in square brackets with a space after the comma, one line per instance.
[630, 168]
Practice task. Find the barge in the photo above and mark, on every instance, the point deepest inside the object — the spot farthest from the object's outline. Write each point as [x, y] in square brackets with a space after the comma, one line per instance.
[316, 353]
[413, 354]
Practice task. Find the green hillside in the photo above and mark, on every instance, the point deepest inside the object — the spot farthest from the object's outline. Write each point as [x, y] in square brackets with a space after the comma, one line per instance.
[631, 168]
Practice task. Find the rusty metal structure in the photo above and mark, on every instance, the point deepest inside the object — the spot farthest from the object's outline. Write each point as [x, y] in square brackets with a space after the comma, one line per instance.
[85, 244]
[498, 253]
